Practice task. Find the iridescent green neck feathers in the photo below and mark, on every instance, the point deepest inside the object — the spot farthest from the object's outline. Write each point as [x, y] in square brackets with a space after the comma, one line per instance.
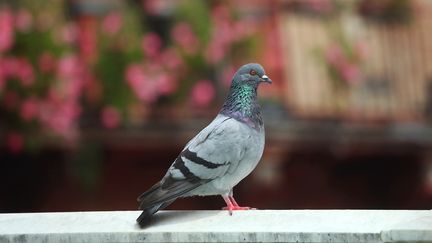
[242, 105]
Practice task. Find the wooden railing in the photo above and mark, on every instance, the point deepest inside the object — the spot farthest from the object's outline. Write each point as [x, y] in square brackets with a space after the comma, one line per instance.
[396, 70]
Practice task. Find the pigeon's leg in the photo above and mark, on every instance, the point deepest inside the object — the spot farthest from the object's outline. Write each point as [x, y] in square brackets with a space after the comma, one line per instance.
[232, 204]
[231, 198]
[233, 201]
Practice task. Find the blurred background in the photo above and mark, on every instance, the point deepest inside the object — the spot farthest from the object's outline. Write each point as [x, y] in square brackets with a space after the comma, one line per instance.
[98, 97]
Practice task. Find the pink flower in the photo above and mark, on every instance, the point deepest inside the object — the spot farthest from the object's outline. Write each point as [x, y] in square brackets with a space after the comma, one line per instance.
[25, 72]
[10, 65]
[110, 117]
[52, 97]
[215, 51]
[220, 12]
[242, 29]
[15, 142]
[69, 33]
[134, 74]
[143, 86]
[23, 20]
[321, 6]
[19, 68]
[68, 67]
[184, 36]
[87, 39]
[151, 44]
[171, 59]
[112, 23]
[225, 32]
[46, 62]
[29, 109]
[350, 73]
[59, 116]
[166, 84]
[71, 77]
[334, 55]
[6, 29]
[203, 93]
[218, 47]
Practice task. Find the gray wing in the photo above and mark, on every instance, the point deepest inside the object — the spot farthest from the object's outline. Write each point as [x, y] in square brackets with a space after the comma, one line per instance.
[209, 155]
[215, 150]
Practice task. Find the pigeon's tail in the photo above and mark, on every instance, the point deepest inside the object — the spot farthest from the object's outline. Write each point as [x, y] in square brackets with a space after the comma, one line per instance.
[147, 213]
[150, 208]
[163, 194]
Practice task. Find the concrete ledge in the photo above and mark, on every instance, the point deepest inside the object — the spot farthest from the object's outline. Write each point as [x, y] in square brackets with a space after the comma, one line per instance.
[218, 226]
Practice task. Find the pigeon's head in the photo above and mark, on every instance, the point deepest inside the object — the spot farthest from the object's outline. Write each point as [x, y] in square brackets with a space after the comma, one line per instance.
[250, 74]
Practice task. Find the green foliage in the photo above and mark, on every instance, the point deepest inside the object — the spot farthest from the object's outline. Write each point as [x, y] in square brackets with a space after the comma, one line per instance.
[110, 70]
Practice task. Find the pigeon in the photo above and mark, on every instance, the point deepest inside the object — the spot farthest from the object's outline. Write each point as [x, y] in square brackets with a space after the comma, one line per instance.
[221, 155]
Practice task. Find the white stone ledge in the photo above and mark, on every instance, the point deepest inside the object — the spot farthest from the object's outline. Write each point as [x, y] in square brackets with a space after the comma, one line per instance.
[218, 226]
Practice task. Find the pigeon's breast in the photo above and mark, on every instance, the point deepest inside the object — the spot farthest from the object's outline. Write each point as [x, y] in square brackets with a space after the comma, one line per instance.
[250, 143]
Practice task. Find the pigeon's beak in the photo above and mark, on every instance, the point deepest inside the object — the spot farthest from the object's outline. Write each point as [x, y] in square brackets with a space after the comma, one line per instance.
[266, 79]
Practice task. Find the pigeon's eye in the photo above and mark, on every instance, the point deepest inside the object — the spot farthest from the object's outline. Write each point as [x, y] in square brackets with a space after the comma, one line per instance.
[253, 72]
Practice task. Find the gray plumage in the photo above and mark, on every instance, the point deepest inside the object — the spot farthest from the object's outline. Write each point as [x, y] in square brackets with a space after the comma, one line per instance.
[221, 155]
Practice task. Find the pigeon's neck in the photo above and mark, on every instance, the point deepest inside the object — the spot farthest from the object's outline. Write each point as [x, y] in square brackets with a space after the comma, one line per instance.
[243, 106]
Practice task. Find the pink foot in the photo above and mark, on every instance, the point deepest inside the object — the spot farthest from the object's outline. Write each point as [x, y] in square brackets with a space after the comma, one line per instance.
[232, 205]
[235, 208]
